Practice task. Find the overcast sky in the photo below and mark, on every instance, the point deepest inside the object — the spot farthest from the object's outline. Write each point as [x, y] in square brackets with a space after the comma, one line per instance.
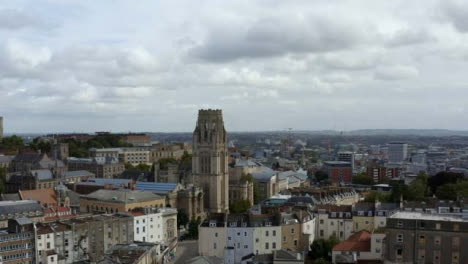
[270, 64]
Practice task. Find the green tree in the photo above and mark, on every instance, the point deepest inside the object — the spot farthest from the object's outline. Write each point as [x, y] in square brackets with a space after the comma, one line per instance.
[182, 218]
[322, 248]
[3, 174]
[372, 196]
[363, 178]
[12, 142]
[40, 144]
[442, 178]
[193, 229]
[447, 192]
[321, 175]
[321, 261]
[462, 189]
[239, 206]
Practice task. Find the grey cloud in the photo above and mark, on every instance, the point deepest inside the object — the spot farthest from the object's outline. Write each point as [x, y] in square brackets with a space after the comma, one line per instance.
[405, 37]
[12, 19]
[277, 36]
[457, 13]
[396, 72]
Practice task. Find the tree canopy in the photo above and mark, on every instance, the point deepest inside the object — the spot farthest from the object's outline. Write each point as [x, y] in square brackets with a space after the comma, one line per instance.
[321, 175]
[239, 206]
[362, 178]
[13, 142]
[322, 248]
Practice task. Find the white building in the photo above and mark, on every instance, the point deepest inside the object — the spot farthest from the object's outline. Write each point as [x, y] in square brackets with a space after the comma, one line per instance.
[155, 225]
[45, 245]
[332, 220]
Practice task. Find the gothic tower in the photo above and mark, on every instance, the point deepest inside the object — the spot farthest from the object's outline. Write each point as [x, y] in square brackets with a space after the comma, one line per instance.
[210, 160]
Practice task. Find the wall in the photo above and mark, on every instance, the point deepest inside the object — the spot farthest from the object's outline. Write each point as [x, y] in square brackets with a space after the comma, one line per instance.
[211, 236]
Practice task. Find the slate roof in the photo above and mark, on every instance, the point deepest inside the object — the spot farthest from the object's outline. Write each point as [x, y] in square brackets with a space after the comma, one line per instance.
[122, 196]
[27, 157]
[79, 173]
[6, 159]
[23, 221]
[42, 174]
[19, 207]
[155, 187]
[264, 175]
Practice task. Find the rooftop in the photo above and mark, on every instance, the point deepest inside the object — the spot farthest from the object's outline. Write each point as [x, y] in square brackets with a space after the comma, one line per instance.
[122, 196]
[357, 242]
[422, 216]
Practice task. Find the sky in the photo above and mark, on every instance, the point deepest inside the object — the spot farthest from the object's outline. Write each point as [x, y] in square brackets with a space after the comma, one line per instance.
[85, 66]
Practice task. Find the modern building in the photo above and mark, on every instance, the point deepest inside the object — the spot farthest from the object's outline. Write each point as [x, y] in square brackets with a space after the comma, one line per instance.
[119, 200]
[210, 160]
[347, 156]
[17, 242]
[415, 237]
[338, 171]
[397, 152]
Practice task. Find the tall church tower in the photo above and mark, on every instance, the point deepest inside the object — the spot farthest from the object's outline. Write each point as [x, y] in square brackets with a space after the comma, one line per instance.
[210, 160]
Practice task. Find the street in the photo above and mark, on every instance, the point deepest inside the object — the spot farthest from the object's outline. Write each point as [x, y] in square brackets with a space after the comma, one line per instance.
[186, 250]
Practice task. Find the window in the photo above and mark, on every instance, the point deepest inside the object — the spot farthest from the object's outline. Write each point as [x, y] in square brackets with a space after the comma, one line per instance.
[332, 223]
[256, 240]
[321, 232]
[216, 234]
[266, 245]
[357, 226]
[422, 254]
[245, 233]
[399, 238]
[437, 240]
[422, 225]
[422, 240]
[274, 233]
[436, 256]
[455, 241]
[399, 253]
[455, 257]
[438, 226]
[138, 230]
[399, 224]
[238, 245]
[321, 221]
[284, 238]
[341, 234]
[367, 222]
[295, 242]
[266, 233]
[48, 245]
[246, 246]
[273, 245]
[214, 245]
[143, 229]
[292, 231]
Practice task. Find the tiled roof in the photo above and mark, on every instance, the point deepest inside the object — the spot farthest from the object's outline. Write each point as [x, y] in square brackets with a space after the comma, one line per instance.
[44, 196]
[360, 241]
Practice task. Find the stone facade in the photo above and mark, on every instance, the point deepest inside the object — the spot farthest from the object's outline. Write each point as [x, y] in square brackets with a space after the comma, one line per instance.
[210, 160]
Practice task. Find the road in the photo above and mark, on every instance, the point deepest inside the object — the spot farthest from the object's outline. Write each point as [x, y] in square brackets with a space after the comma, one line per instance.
[186, 250]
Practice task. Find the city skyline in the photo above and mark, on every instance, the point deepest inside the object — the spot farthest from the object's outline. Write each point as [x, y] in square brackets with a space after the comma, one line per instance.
[270, 65]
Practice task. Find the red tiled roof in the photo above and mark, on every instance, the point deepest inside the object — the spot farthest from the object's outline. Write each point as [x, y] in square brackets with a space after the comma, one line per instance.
[360, 241]
[136, 213]
[44, 196]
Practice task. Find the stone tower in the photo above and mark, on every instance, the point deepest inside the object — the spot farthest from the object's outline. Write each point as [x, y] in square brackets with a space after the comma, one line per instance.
[60, 151]
[210, 160]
